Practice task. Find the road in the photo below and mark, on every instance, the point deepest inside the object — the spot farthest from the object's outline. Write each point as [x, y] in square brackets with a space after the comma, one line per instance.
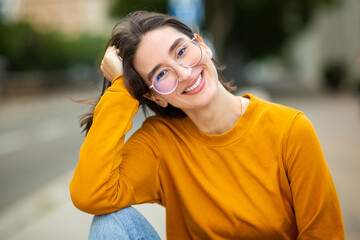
[39, 139]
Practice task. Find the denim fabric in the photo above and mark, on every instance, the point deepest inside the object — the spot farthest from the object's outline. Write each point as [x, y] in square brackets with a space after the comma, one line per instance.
[126, 224]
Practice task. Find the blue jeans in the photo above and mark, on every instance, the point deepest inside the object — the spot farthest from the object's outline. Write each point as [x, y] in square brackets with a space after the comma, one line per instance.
[126, 224]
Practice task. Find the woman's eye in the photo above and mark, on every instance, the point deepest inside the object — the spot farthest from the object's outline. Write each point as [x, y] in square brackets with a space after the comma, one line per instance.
[181, 52]
[161, 75]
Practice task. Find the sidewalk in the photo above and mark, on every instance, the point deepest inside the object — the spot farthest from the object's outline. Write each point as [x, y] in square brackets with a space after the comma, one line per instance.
[49, 214]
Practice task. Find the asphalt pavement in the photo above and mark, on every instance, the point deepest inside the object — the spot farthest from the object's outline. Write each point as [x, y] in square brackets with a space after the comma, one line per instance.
[39, 143]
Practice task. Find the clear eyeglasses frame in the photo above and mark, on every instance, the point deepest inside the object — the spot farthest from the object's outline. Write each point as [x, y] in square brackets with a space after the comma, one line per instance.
[188, 55]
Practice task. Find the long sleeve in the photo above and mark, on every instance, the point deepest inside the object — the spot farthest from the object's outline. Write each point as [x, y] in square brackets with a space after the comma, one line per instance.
[316, 205]
[109, 176]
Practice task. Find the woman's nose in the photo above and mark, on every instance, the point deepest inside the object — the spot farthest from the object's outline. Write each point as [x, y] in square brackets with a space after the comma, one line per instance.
[184, 73]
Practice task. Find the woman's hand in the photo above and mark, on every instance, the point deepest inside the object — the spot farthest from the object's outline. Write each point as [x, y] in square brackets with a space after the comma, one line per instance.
[111, 64]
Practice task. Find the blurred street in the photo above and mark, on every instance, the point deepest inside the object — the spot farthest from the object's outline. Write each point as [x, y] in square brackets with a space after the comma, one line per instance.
[336, 119]
[39, 143]
[40, 139]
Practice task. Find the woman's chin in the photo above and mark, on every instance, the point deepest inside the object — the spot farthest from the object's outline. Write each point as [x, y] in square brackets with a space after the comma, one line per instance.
[200, 100]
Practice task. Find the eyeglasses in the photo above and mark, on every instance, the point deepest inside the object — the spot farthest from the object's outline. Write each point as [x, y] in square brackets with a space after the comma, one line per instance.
[188, 55]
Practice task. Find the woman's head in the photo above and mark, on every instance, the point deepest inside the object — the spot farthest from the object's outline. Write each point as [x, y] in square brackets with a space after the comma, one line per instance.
[133, 33]
[127, 36]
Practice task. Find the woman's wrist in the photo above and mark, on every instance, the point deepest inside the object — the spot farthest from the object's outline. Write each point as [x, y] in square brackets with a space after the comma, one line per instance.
[116, 78]
[118, 85]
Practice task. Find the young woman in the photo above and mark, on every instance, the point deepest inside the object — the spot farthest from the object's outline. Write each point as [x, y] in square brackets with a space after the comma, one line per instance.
[223, 166]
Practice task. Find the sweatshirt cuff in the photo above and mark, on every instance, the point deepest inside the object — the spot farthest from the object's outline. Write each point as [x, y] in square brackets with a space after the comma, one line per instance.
[117, 85]
[116, 78]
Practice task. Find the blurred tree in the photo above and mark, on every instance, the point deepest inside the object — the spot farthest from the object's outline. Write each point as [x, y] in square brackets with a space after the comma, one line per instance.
[259, 27]
[26, 49]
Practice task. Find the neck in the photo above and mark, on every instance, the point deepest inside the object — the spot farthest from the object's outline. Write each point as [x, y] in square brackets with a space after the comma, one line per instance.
[215, 118]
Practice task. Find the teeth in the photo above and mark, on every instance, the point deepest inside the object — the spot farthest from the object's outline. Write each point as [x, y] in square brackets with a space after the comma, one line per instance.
[195, 85]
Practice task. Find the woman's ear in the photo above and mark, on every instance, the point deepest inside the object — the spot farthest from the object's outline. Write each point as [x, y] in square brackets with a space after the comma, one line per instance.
[156, 99]
[208, 51]
[197, 36]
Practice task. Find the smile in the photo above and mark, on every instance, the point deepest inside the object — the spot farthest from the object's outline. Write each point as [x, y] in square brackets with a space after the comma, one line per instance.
[195, 84]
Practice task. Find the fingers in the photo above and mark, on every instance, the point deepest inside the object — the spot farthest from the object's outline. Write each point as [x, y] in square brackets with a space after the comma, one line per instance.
[111, 64]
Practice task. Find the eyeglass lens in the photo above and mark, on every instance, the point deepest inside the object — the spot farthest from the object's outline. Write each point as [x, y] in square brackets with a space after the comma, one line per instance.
[188, 55]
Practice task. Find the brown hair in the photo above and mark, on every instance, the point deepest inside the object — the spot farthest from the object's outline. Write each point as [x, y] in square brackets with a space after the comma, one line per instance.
[126, 37]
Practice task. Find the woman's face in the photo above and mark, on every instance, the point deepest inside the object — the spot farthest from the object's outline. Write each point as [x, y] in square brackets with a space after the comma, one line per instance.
[197, 85]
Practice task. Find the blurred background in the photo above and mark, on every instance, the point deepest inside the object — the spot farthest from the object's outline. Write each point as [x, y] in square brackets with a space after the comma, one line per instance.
[300, 53]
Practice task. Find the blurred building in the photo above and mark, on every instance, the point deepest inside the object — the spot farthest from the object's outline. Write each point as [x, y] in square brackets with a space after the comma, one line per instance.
[67, 16]
[331, 42]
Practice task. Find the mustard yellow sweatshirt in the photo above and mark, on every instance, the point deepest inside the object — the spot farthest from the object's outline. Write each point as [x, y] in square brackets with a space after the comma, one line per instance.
[266, 178]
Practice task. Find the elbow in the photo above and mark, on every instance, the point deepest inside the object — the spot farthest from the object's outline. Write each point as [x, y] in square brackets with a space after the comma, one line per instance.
[81, 201]
[94, 199]
[92, 202]
[84, 201]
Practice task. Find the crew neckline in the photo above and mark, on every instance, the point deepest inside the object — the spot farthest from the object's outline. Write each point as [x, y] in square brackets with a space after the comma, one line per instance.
[238, 131]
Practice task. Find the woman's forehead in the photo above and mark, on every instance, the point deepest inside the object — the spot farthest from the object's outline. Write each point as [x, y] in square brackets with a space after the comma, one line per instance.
[154, 47]
[161, 36]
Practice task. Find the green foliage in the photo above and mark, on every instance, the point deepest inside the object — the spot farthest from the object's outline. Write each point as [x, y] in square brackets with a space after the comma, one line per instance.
[26, 49]
[258, 28]
[262, 27]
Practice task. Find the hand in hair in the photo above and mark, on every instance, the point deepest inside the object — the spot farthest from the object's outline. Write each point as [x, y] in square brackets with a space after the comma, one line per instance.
[111, 64]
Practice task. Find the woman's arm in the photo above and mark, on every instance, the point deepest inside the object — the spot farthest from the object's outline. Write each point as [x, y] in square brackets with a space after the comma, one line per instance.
[316, 204]
[109, 176]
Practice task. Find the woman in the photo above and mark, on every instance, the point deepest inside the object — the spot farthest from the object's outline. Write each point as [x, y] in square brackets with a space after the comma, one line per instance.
[224, 166]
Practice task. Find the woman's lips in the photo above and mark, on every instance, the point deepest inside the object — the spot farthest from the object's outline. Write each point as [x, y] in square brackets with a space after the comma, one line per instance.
[197, 86]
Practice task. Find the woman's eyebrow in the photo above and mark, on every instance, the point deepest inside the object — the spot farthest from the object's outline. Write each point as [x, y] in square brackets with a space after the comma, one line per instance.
[173, 46]
[152, 72]
[175, 43]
